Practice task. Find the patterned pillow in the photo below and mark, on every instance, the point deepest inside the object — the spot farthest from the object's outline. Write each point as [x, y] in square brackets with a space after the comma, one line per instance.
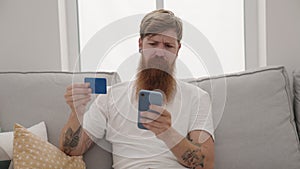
[6, 138]
[30, 151]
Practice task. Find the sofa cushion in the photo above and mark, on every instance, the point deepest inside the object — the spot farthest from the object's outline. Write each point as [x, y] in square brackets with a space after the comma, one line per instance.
[296, 80]
[31, 151]
[31, 97]
[253, 119]
[6, 138]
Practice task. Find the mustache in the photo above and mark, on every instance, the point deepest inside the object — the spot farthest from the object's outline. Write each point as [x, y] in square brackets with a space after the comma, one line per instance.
[157, 59]
[158, 63]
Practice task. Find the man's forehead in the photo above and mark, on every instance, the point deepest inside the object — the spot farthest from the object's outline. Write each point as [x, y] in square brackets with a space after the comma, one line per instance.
[162, 36]
[170, 33]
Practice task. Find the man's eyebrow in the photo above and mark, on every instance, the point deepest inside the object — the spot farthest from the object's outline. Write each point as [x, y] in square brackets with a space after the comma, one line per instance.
[166, 42]
[169, 43]
[152, 40]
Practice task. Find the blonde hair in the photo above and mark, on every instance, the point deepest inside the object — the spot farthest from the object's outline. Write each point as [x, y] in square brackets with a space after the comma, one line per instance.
[159, 21]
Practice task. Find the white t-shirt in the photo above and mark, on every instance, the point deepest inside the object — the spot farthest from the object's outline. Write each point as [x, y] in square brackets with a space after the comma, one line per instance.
[115, 114]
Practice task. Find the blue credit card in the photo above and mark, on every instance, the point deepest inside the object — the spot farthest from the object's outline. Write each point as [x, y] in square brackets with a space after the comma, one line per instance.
[98, 85]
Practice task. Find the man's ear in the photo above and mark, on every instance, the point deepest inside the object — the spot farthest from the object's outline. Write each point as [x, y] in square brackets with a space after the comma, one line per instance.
[179, 46]
[140, 43]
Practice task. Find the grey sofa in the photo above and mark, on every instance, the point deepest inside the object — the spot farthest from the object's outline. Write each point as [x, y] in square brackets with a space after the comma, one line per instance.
[253, 110]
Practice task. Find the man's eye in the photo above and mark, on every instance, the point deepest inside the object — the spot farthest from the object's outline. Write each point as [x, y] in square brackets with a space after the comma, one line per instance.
[169, 46]
[152, 44]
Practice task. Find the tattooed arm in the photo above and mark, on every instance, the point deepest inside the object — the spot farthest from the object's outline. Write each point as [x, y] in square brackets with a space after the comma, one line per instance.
[73, 139]
[196, 151]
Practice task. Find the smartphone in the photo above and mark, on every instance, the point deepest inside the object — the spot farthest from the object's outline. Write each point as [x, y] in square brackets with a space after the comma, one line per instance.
[98, 85]
[147, 97]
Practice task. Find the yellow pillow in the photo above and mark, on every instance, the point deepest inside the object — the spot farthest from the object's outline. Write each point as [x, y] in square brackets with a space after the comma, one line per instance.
[30, 151]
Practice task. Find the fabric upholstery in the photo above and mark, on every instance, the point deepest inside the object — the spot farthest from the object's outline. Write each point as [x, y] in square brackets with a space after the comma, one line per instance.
[31, 151]
[254, 120]
[253, 115]
[6, 138]
[296, 82]
[30, 97]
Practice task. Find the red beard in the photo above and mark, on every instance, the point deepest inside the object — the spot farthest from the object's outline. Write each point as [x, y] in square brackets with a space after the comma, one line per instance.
[158, 76]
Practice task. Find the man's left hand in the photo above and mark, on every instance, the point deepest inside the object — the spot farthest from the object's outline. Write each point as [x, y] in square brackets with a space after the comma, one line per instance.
[157, 123]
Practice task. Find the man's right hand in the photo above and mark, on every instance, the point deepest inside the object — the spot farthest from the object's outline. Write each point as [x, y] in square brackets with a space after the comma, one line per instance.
[78, 96]
[73, 140]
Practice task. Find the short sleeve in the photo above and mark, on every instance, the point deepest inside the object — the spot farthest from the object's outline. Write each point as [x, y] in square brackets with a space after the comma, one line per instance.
[95, 119]
[201, 117]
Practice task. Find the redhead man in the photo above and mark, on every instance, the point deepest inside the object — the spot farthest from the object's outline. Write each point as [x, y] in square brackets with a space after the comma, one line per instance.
[180, 135]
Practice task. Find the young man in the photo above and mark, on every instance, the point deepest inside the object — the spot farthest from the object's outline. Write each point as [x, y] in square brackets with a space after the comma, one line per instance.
[180, 136]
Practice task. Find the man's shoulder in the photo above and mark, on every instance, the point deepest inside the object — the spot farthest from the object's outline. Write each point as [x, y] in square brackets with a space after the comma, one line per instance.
[120, 87]
[121, 84]
[189, 86]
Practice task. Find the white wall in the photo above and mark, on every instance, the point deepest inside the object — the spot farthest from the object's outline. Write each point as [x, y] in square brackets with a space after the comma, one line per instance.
[29, 35]
[283, 33]
[251, 33]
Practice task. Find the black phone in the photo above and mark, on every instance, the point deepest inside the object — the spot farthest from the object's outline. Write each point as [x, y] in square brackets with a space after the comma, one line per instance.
[147, 97]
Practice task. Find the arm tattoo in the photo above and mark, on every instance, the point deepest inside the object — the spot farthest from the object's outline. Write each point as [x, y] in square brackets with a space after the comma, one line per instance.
[71, 139]
[193, 158]
[191, 140]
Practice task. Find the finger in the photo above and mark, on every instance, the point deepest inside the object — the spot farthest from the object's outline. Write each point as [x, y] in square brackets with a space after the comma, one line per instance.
[146, 120]
[162, 125]
[72, 101]
[83, 86]
[78, 91]
[75, 91]
[81, 91]
[81, 102]
[77, 98]
[78, 85]
[156, 108]
[149, 115]
[156, 117]
[152, 127]
[163, 112]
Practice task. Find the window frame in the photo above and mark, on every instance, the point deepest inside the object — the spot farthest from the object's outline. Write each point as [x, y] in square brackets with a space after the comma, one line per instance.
[254, 33]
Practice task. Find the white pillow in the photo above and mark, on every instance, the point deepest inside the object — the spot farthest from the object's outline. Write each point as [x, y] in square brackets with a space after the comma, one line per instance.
[6, 138]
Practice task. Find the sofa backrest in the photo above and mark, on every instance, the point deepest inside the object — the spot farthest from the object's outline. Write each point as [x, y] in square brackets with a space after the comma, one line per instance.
[296, 84]
[31, 97]
[253, 115]
[253, 118]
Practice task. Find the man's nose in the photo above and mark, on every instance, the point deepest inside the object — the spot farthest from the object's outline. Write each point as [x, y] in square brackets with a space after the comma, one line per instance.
[160, 50]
